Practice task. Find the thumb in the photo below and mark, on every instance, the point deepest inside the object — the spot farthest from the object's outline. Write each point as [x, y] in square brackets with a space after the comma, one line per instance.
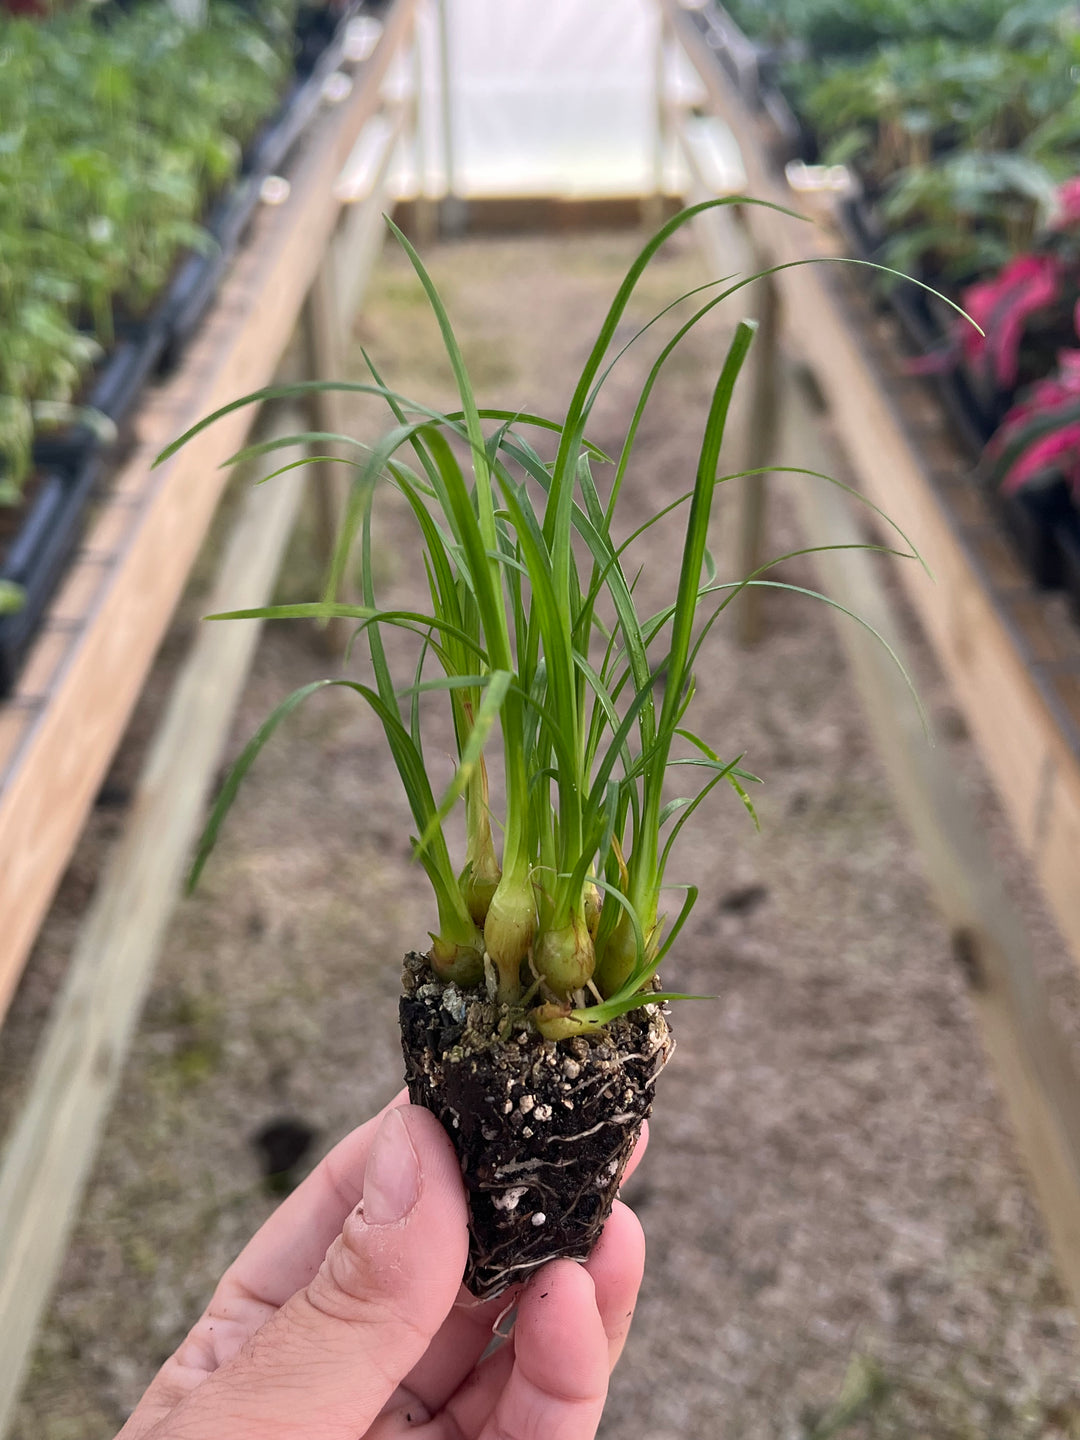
[326, 1363]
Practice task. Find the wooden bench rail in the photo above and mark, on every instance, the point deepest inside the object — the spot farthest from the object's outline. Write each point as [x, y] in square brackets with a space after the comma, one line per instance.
[1038, 1081]
[58, 733]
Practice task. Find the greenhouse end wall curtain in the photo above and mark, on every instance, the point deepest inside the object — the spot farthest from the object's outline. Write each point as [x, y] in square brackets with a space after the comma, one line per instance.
[556, 98]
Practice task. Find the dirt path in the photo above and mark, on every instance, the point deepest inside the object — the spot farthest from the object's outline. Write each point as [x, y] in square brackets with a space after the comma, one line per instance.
[830, 1192]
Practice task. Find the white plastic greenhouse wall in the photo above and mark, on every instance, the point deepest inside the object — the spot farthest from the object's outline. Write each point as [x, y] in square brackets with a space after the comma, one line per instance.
[553, 99]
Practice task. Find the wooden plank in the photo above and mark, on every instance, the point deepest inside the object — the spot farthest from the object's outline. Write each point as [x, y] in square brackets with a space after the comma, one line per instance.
[1035, 1073]
[77, 594]
[59, 764]
[111, 530]
[1037, 1079]
[44, 663]
[52, 1148]
[15, 725]
[1014, 727]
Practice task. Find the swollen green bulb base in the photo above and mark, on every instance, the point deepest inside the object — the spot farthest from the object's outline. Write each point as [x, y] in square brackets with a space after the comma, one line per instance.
[618, 958]
[479, 880]
[566, 958]
[462, 963]
[559, 1022]
[508, 934]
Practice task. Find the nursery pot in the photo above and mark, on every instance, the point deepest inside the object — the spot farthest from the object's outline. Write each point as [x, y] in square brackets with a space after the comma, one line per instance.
[543, 1129]
[1036, 516]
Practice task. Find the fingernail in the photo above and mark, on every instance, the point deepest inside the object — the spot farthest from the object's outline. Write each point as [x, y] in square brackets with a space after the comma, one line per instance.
[392, 1177]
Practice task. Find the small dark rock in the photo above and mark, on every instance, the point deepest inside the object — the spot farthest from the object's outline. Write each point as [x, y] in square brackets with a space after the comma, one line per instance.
[743, 901]
[112, 796]
[281, 1144]
[952, 724]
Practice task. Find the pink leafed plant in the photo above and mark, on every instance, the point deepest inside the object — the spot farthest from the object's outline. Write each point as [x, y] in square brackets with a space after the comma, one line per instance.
[1038, 441]
[1035, 292]
[1055, 454]
[1002, 306]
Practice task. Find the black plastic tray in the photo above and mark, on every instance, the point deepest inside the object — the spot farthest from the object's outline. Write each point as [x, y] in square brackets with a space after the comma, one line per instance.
[51, 530]
[122, 379]
[113, 392]
[192, 292]
[1068, 539]
[232, 215]
[1037, 521]
[299, 108]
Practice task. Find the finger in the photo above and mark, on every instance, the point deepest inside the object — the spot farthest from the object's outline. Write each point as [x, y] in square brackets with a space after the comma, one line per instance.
[326, 1362]
[282, 1257]
[616, 1266]
[549, 1379]
[456, 1349]
[558, 1383]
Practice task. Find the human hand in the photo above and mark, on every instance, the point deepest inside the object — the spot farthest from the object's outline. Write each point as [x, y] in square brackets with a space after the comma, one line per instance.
[378, 1340]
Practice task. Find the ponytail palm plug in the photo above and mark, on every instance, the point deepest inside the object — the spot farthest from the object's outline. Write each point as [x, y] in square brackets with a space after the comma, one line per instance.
[540, 981]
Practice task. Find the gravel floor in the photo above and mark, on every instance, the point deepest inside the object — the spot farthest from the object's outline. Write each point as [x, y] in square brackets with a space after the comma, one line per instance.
[840, 1240]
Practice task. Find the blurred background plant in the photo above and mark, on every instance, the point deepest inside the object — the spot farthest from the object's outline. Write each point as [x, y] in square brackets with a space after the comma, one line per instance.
[118, 128]
[959, 123]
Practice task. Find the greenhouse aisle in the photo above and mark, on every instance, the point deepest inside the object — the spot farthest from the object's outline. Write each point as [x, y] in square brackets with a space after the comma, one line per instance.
[840, 1240]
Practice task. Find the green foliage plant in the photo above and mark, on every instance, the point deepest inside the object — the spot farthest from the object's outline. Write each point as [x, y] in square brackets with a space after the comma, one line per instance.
[535, 633]
[114, 137]
[965, 216]
[959, 117]
[849, 29]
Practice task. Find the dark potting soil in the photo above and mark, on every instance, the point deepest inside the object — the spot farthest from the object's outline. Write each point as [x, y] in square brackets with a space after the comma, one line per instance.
[543, 1128]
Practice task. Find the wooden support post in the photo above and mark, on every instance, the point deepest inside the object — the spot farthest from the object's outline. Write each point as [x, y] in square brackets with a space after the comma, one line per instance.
[48, 1160]
[1036, 1076]
[362, 230]
[761, 437]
